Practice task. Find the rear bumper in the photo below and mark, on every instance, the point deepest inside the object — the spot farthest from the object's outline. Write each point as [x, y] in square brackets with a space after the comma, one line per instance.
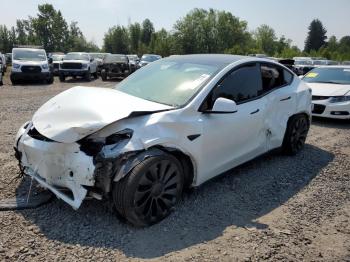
[62, 168]
[30, 76]
[322, 108]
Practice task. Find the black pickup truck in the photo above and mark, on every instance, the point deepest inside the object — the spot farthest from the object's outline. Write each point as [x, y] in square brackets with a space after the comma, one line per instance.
[115, 65]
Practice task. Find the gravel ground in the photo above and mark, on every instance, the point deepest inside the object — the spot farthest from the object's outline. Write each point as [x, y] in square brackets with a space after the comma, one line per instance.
[272, 208]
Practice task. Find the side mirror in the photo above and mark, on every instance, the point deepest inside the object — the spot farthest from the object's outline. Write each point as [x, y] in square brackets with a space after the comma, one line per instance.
[91, 60]
[223, 106]
[50, 60]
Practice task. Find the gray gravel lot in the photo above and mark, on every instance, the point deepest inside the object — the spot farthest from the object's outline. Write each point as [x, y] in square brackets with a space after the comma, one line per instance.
[272, 208]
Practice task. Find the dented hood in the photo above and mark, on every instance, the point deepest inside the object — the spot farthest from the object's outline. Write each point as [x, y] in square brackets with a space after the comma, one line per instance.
[81, 111]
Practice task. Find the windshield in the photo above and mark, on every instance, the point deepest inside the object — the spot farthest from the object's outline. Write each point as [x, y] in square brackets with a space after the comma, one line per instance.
[328, 75]
[116, 59]
[170, 82]
[29, 55]
[150, 58]
[76, 56]
[57, 57]
[303, 62]
[97, 55]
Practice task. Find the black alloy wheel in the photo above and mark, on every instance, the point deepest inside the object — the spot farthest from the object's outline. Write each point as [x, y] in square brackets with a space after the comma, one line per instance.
[151, 190]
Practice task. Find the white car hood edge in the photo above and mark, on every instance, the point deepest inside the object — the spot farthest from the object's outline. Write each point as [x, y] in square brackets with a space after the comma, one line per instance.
[81, 111]
[325, 89]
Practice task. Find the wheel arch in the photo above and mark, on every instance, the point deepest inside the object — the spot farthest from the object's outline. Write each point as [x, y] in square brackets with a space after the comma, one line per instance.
[137, 157]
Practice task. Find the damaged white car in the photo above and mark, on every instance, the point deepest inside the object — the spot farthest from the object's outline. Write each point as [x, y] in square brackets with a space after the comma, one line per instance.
[173, 124]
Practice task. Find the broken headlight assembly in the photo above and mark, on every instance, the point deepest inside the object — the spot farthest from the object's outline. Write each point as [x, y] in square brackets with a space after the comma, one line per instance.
[92, 146]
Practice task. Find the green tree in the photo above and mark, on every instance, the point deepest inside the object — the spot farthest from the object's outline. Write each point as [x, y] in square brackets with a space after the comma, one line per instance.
[116, 40]
[316, 36]
[135, 37]
[265, 37]
[147, 31]
[202, 31]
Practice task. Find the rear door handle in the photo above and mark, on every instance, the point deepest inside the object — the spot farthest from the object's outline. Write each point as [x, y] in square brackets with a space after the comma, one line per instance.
[285, 99]
[256, 111]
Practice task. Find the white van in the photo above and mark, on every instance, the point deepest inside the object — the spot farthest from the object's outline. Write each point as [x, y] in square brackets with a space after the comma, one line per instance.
[30, 64]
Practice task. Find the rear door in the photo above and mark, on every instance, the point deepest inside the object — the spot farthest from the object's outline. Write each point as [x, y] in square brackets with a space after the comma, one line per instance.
[281, 98]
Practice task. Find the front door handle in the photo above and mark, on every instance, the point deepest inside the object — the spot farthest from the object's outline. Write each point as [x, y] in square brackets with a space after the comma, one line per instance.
[256, 111]
[285, 99]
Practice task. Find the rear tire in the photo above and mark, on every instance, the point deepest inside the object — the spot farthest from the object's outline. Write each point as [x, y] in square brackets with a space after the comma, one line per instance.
[296, 133]
[149, 192]
[88, 76]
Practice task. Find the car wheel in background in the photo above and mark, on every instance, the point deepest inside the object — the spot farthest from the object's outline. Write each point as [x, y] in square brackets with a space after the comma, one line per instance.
[95, 75]
[103, 75]
[150, 191]
[88, 76]
[296, 133]
[62, 78]
[50, 80]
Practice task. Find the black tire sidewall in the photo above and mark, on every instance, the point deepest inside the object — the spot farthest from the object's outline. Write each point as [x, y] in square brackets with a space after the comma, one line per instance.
[131, 183]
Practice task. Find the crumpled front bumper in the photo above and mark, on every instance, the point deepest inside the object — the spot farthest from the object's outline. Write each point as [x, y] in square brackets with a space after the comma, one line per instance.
[59, 167]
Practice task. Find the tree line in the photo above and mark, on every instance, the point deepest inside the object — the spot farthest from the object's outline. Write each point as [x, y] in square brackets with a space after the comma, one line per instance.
[200, 31]
[48, 29]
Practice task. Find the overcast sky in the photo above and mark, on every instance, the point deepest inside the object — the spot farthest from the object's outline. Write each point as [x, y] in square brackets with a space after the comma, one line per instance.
[289, 18]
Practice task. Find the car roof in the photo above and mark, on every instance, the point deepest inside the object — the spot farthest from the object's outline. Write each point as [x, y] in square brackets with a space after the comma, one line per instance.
[212, 58]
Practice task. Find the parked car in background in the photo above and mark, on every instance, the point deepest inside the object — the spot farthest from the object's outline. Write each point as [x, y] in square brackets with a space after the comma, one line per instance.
[346, 63]
[115, 65]
[303, 66]
[330, 91]
[99, 60]
[176, 123]
[324, 62]
[78, 64]
[8, 58]
[56, 60]
[30, 64]
[3, 63]
[148, 58]
[133, 62]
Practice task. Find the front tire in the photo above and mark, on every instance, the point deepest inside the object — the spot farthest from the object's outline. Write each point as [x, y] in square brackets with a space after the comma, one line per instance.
[104, 75]
[296, 133]
[95, 75]
[150, 191]
[88, 76]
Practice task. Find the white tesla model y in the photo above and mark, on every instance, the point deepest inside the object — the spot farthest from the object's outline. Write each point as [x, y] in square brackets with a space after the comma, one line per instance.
[173, 124]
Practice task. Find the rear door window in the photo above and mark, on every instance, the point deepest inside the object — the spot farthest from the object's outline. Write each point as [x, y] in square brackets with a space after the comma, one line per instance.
[274, 76]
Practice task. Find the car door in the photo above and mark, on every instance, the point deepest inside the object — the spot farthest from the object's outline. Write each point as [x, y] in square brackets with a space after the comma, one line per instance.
[233, 138]
[281, 100]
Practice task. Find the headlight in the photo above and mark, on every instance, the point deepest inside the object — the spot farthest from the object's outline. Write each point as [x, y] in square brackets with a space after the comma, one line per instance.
[45, 66]
[16, 66]
[84, 66]
[339, 99]
[92, 146]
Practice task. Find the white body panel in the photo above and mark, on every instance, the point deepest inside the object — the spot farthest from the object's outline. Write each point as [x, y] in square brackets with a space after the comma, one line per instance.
[223, 140]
